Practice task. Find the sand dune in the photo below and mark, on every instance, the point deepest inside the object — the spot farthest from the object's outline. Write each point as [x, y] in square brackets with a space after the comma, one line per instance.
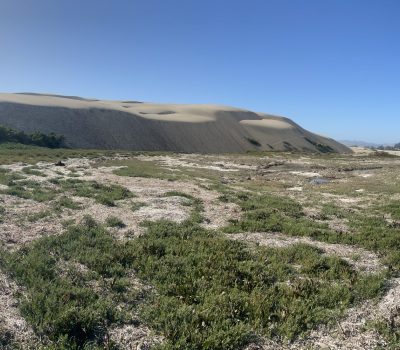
[92, 123]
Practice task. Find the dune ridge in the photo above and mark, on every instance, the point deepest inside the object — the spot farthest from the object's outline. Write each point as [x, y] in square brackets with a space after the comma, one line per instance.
[133, 125]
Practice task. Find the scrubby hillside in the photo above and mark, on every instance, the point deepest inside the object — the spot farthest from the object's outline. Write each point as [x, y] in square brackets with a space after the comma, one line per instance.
[131, 125]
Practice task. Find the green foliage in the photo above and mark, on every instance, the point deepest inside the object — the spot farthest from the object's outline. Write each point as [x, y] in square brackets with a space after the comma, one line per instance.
[390, 331]
[103, 194]
[7, 177]
[376, 234]
[39, 215]
[210, 292]
[30, 170]
[180, 194]
[320, 146]
[138, 168]
[30, 190]
[113, 221]
[62, 305]
[214, 293]
[254, 142]
[392, 208]
[2, 212]
[16, 152]
[37, 138]
[137, 205]
[66, 202]
[329, 210]
[195, 216]
[271, 213]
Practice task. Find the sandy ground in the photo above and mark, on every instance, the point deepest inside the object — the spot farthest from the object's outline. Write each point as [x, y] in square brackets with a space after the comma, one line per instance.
[131, 337]
[189, 161]
[148, 192]
[288, 177]
[366, 151]
[15, 231]
[265, 123]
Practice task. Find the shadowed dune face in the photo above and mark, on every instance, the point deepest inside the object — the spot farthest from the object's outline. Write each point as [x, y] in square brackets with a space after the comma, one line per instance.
[90, 123]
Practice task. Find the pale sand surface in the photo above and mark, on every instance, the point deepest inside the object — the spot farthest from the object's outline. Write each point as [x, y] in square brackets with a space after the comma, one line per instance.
[130, 125]
[268, 123]
[165, 112]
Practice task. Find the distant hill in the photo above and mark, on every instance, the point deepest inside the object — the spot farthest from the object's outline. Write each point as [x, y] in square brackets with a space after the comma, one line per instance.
[132, 125]
[359, 143]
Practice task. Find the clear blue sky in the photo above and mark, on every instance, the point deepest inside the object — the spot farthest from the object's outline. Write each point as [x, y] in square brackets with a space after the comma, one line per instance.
[333, 66]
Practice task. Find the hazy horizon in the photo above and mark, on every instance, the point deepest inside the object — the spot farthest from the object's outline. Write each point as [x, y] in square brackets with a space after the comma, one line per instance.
[331, 67]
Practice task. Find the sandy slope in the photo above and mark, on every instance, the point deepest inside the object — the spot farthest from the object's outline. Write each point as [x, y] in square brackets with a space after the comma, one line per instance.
[90, 123]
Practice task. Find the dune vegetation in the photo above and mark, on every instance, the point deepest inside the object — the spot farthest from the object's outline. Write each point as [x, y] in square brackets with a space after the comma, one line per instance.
[173, 251]
[37, 138]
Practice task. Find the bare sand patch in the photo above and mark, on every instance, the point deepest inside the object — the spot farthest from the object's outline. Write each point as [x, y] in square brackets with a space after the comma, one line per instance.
[194, 161]
[296, 189]
[268, 123]
[149, 190]
[130, 337]
[15, 231]
[342, 200]
[306, 173]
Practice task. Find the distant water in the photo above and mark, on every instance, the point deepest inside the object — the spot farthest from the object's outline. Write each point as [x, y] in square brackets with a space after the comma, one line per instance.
[319, 181]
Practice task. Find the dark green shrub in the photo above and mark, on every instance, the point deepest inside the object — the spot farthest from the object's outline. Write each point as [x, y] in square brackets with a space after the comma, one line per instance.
[253, 142]
[37, 138]
[113, 221]
[103, 194]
